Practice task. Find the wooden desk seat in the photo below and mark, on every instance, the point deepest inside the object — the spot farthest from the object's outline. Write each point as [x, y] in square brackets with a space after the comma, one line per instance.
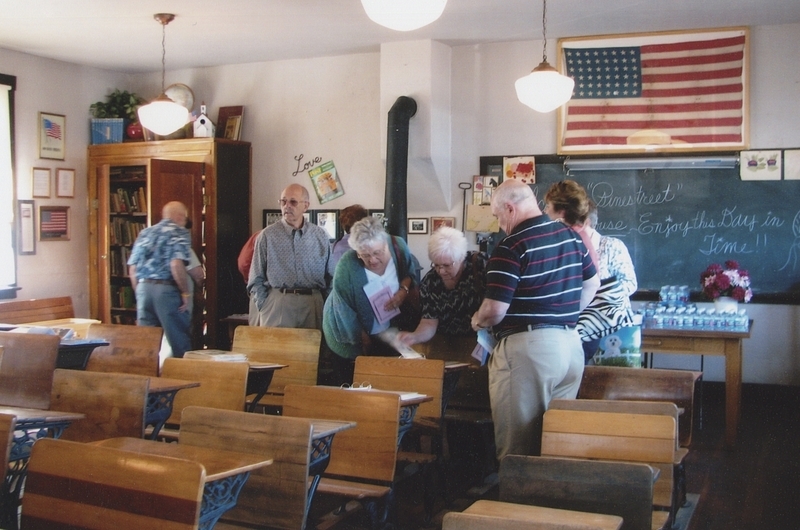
[34, 310]
[509, 516]
[114, 404]
[130, 350]
[26, 370]
[222, 386]
[670, 488]
[274, 496]
[623, 489]
[414, 375]
[617, 436]
[297, 348]
[363, 459]
[7, 423]
[75, 485]
[654, 384]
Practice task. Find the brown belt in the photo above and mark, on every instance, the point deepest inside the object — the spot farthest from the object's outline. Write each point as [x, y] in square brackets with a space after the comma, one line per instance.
[296, 291]
[160, 282]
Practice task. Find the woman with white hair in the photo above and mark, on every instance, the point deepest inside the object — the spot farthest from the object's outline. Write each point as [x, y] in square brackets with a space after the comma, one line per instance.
[451, 291]
[376, 262]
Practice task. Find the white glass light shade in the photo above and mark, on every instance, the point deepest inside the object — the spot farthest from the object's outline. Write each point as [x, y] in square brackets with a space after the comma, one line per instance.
[403, 15]
[544, 89]
[163, 116]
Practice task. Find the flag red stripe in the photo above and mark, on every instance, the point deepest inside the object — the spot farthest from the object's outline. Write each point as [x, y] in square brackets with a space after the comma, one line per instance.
[691, 91]
[621, 140]
[692, 76]
[655, 124]
[691, 60]
[655, 109]
[694, 45]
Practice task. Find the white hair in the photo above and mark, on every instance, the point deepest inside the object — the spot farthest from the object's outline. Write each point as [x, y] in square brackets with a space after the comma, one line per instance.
[447, 243]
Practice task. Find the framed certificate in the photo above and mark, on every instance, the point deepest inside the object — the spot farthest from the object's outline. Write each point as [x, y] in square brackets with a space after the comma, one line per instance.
[65, 182]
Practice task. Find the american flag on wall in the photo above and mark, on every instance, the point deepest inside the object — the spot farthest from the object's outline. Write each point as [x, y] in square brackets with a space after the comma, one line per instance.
[52, 129]
[54, 221]
[656, 92]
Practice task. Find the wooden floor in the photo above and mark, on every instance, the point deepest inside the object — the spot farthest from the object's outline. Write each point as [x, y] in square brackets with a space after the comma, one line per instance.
[755, 486]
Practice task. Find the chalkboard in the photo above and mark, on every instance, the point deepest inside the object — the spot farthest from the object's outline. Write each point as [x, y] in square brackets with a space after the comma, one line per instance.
[675, 222]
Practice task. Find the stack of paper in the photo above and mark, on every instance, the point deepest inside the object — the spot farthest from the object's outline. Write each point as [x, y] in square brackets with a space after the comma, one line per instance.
[215, 355]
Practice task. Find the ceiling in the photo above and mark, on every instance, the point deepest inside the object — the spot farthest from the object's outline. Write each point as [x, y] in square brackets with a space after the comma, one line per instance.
[123, 36]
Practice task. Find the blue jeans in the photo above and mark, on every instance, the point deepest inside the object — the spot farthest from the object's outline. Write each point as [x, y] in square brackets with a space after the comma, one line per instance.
[157, 305]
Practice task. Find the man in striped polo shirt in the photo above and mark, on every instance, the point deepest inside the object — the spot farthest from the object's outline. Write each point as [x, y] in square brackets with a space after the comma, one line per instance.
[538, 279]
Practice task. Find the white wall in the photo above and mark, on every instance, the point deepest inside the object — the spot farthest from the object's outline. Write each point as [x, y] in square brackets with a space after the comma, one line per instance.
[330, 108]
[59, 268]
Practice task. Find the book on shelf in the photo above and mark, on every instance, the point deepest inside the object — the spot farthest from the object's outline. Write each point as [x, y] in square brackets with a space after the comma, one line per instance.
[215, 355]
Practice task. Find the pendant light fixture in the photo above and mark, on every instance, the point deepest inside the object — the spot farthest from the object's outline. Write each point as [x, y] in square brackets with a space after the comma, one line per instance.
[403, 15]
[162, 115]
[544, 89]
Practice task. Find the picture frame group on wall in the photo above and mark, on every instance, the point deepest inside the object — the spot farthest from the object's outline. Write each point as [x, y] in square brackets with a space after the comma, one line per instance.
[54, 223]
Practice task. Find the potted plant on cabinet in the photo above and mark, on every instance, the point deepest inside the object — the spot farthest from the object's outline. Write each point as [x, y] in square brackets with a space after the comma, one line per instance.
[109, 117]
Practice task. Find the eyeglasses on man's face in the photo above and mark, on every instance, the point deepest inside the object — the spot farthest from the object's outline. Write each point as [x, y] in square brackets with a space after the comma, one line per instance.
[291, 202]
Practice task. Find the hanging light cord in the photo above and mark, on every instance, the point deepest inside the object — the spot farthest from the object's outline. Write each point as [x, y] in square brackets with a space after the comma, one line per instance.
[163, 54]
[544, 30]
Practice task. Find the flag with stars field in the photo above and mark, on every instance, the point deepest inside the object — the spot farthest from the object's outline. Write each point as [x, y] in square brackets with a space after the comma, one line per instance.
[656, 92]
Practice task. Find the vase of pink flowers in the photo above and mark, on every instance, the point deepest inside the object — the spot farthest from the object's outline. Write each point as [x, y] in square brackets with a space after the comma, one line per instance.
[726, 286]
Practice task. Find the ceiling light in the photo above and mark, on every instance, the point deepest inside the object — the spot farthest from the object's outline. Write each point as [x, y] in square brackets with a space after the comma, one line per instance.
[544, 89]
[162, 115]
[403, 15]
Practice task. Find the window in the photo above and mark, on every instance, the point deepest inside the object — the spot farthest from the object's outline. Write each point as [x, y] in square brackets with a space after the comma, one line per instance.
[8, 263]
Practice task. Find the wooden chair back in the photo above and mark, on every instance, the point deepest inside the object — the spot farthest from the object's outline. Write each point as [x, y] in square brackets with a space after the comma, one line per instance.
[26, 370]
[297, 348]
[7, 424]
[114, 404]
[23, 311]
[75, 485]
[656, 384]
[274, 496]
[222, 384]
[613, 488]
[497, 515]
[130, 350]
[412, 375]
[661, 408]
[368, 451]
[618, 436]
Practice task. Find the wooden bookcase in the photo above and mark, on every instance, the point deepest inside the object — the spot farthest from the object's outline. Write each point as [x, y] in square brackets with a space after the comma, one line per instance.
[128, 185]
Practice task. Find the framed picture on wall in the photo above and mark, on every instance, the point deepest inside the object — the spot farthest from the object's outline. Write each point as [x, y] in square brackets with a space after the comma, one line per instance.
[417, 225]
[41, 182]
[65, 182]
[438, 222]
[328, 220]
[27, 228]
[270, 216]
[52, 133]
[53, 223]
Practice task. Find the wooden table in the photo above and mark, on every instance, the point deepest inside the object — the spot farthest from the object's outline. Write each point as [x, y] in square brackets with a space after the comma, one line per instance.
[226, 471]
[409, 401]
[160, 397]
[538, 514]
[707, 342]
[32, 424]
